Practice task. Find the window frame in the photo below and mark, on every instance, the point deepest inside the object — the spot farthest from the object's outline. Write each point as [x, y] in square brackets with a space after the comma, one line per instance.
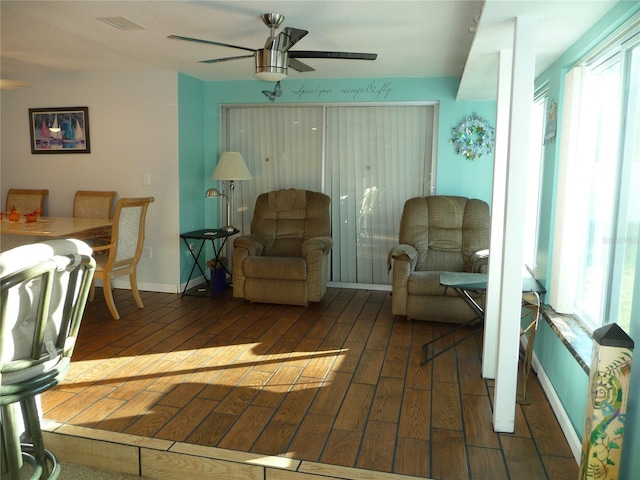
[541, 96]
[619, 48]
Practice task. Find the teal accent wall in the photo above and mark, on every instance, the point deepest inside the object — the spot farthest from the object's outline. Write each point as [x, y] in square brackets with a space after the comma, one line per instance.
[568, 379]
[567, 376]
[190, 165]
[201, 132]
[455, 174]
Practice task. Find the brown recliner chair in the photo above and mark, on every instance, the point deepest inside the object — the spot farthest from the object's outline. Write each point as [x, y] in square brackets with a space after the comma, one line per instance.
[438, 234]
[285, 259]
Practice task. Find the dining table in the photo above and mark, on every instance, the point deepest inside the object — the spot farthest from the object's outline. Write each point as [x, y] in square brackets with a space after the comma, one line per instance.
[21, 232]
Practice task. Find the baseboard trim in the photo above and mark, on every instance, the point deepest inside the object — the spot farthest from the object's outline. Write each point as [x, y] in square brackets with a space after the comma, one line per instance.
[152, 287]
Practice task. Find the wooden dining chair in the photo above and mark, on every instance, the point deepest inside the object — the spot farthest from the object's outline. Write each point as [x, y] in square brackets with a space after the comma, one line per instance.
[26, 201]
[123, 251]
[93, 204]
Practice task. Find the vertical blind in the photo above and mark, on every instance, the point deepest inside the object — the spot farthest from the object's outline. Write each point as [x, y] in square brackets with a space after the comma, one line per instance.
[368, 159]
[282, 147]
[377, 157]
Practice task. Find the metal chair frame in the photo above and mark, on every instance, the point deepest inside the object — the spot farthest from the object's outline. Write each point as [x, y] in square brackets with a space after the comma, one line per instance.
[53, 358]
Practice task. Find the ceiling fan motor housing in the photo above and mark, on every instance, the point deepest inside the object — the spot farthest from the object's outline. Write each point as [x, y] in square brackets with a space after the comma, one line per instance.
[271, 65]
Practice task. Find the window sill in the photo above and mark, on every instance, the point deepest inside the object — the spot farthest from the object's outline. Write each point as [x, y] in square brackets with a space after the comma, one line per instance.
[573, 334]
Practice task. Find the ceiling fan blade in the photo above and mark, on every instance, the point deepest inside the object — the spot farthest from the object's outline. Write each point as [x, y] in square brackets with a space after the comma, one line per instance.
[287, 38]
[217, 60]
[343, 55]
[299, 66]
[209, 42]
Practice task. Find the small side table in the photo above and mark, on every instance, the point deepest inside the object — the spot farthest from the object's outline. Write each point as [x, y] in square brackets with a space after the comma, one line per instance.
[212, 234]
[463, 283]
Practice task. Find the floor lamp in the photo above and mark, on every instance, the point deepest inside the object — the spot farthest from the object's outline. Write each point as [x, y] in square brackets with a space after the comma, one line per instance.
[231, 167]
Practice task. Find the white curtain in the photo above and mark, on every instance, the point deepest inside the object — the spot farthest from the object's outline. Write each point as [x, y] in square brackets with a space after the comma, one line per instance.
[563, 286]
[368, 159]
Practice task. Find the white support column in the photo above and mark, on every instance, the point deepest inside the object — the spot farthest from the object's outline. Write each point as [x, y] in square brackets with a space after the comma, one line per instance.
[522, 80]
[494, 286]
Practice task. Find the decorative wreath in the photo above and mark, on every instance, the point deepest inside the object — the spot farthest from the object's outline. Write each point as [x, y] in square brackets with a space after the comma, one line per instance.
[473, 137]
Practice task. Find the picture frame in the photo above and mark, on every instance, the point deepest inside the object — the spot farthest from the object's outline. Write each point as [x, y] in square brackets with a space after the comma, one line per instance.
[59, 130]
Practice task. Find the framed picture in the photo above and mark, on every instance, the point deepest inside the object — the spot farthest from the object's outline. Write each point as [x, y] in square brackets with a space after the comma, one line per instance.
[59, 130]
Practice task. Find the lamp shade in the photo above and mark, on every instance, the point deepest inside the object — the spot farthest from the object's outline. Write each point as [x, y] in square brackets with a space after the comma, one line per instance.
[231, 166]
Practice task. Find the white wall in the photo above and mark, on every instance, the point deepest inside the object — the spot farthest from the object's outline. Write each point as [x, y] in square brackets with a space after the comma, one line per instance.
[133, 122]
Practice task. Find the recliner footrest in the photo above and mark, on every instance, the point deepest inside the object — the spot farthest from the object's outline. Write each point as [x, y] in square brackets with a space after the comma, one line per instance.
[284, 268]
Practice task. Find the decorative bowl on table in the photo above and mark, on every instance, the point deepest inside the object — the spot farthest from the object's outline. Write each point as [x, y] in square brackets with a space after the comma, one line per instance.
[33, 216]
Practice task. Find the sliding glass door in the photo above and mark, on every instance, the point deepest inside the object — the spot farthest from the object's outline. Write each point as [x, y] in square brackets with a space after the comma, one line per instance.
[369, 159]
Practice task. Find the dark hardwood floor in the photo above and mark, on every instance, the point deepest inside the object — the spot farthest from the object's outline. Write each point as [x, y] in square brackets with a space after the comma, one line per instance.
[339, 382]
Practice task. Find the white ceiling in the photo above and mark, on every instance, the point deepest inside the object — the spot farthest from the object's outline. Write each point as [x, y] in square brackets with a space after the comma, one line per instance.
[414, 38]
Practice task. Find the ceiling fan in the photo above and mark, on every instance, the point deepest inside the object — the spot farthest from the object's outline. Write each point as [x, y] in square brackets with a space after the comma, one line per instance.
[274, 59]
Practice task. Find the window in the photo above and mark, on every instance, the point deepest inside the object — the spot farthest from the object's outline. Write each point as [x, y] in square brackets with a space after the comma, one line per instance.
[536, 151]
[604, 200]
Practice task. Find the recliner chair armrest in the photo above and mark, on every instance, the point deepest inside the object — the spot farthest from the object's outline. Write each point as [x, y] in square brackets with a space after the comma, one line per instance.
[316, 243]
[404, 252]
[402, 258]
[478, 262]
[253, 244]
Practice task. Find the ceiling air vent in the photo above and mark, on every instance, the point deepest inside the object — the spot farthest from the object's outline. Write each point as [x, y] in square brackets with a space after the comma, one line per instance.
[122, 23]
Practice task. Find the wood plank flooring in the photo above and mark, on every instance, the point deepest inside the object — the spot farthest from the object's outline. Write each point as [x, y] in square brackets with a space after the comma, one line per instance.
[338, 383]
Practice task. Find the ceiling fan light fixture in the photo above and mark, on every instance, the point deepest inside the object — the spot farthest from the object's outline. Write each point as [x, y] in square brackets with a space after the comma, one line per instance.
[275, 58]
[271, 65]
[269, 76]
